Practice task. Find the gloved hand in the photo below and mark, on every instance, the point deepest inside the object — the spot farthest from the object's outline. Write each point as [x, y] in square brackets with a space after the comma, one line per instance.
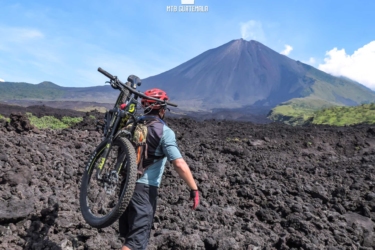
[194, 195]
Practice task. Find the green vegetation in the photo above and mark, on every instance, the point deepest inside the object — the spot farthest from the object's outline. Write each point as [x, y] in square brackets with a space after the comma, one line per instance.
[70, 121]
[52, 122]
[299, 112]
[340, 116]
[21, 90]
[325, 102]
[4, 118]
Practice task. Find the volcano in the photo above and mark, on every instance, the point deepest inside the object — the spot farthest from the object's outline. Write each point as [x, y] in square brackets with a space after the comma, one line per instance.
[242, 73]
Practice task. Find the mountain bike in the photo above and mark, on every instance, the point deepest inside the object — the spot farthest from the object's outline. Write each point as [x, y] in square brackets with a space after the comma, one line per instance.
[110, 174]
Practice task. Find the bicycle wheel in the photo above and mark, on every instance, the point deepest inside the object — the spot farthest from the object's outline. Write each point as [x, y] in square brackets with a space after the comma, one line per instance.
[108, 184]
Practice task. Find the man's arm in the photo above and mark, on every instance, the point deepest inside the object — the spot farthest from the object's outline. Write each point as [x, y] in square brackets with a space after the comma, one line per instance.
[184, 172]
[173, 154]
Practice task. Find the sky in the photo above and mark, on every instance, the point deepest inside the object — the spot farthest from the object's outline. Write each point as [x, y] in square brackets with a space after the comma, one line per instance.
[66, 41]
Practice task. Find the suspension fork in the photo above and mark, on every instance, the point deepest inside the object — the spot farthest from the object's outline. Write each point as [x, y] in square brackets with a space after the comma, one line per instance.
[119, 114]
[103, 160]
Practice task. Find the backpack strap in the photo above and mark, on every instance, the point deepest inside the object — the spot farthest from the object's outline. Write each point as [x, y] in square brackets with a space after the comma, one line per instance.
[151, 118]
[140, 150]
[148, 121]
[143, 170]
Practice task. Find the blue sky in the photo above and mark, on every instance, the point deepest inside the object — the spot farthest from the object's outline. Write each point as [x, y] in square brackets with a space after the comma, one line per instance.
[66, 41]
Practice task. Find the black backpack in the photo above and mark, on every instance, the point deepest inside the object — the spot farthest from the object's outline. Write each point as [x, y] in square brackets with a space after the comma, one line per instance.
[139, 142]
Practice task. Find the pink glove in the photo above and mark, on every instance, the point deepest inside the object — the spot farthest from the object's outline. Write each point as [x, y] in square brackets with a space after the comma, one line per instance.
[194, 195]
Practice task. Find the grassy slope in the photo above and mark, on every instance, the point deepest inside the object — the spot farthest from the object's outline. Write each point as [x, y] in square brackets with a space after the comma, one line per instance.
[293, 114]
[327, 86]
[47, 91]
[20, 90]
[297, 111]
[327, 91]
[340, 116]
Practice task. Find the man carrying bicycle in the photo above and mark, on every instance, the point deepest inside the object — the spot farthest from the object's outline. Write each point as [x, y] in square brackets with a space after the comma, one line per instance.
[135, 223]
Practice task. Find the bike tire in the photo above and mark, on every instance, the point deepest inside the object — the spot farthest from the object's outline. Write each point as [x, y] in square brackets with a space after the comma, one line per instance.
[126, 189]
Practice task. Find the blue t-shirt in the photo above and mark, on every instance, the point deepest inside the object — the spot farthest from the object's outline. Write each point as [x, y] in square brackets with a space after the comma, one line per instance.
[166, 145]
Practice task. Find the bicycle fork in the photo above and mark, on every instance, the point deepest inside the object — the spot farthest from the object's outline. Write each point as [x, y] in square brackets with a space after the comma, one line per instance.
[102, 161]
[109, 179]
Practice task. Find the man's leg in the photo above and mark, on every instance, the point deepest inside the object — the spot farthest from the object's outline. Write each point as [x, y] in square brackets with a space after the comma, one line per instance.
[137, 219]
[126, 220]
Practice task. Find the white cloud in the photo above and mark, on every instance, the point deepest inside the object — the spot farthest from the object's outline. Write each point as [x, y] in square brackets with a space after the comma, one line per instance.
[287, 50]
[2, 80]
[312, 60]
[29, 34]
[21, 41]
[252, 30]
[359, 66]
[19, 35]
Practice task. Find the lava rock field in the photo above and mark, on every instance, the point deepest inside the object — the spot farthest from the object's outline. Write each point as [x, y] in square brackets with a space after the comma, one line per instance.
[262, 186]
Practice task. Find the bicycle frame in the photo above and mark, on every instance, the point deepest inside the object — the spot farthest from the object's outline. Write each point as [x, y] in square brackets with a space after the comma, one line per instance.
[114, 118]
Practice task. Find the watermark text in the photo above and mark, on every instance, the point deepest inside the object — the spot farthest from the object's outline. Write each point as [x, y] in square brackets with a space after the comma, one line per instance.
[187, 8]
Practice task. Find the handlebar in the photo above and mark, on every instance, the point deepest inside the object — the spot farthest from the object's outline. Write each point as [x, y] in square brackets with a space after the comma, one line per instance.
[134, 80]
[106, 74]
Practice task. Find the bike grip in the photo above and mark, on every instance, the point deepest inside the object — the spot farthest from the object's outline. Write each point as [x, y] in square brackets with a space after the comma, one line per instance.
[172, 104]
[106, 73]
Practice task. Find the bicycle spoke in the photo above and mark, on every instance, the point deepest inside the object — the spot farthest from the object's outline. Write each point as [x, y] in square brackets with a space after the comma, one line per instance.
[103, 192]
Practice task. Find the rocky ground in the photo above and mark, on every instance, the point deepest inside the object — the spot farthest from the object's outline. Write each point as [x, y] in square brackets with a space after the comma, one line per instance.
[262, 187]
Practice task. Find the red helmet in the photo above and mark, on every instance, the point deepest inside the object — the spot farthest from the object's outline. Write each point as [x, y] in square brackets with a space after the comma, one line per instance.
[155, 93]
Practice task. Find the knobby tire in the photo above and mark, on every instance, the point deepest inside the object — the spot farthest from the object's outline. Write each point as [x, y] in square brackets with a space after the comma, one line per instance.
[126, 189]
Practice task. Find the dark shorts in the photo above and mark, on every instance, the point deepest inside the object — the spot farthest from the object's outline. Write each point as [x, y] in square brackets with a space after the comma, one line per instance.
[135, 223]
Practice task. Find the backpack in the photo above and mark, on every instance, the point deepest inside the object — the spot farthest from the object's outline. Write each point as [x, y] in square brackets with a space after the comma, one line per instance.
[139, 142]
